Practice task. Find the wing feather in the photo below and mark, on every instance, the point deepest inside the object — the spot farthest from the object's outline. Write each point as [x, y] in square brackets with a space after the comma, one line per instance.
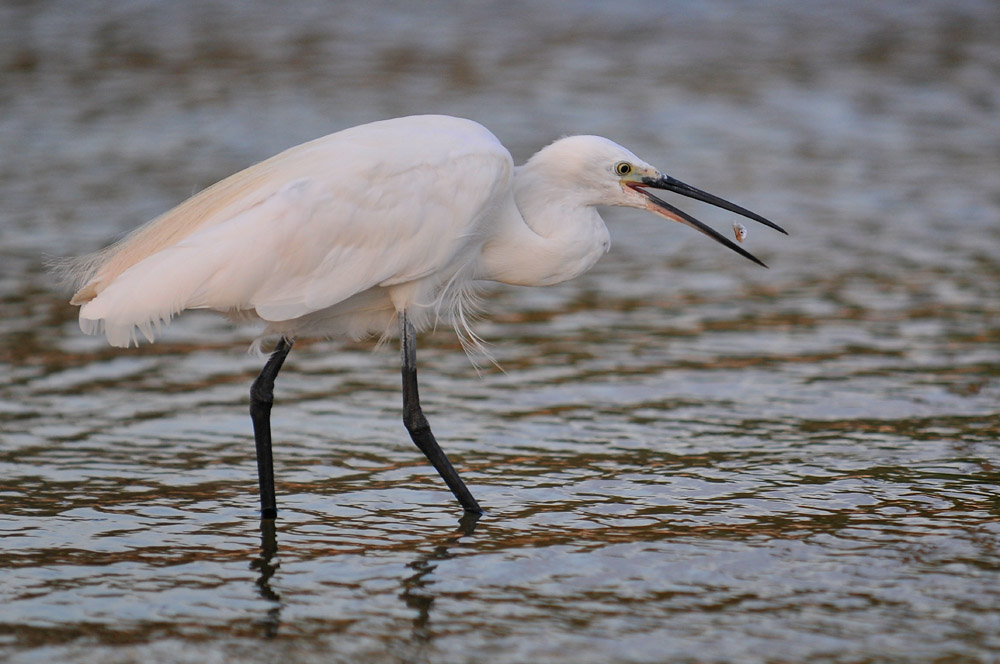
[375, 205]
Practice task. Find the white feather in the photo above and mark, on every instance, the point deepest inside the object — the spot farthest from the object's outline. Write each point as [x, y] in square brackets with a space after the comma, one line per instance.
[339, 235]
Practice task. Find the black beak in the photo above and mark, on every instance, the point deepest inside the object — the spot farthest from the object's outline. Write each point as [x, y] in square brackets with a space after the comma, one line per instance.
[670, 184]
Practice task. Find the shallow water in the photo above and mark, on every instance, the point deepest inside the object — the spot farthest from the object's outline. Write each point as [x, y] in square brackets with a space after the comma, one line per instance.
[689, 458]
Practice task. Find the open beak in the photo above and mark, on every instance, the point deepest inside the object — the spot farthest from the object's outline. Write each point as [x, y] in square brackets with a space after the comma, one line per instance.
[667, 210]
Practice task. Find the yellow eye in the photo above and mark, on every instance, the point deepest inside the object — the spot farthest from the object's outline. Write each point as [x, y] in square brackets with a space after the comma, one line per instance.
[623, 168]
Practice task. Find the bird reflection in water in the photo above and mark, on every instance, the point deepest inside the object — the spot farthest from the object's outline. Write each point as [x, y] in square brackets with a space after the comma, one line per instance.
[267, 568]
[417, 588]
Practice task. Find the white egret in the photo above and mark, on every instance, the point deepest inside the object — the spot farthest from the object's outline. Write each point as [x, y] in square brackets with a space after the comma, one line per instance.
[382, 225]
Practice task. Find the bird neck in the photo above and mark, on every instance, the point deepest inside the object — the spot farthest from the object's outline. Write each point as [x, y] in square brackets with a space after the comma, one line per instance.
[543, 237]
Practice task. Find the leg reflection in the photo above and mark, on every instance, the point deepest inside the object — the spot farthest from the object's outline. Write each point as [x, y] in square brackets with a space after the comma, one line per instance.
[268, 549]
[418, 589]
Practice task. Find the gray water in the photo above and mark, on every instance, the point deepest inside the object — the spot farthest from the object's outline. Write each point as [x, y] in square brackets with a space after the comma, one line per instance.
[689, 458]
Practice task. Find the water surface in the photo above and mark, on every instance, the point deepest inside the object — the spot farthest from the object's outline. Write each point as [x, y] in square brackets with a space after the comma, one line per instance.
[688, 458]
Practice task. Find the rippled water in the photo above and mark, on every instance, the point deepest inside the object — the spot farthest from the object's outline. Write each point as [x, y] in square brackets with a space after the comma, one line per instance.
[689, 458]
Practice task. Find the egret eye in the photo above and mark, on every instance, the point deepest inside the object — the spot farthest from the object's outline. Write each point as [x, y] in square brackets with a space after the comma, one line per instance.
[623, 168]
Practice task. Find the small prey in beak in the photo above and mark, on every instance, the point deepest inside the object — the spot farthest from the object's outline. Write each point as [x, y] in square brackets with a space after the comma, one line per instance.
[740, 231]
[661, 207]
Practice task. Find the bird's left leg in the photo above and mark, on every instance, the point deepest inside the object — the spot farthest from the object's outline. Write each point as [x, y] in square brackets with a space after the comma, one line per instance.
[417, 425]
[261, 400]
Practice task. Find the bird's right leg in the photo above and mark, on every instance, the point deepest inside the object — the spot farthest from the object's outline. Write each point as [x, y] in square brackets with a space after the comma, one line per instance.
[417, 425]
[261, 400]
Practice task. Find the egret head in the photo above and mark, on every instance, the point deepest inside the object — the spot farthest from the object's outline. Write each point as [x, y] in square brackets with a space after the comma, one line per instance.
[602, 172]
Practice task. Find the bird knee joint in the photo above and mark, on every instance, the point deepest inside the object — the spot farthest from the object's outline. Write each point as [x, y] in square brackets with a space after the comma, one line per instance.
[261, 395]
[415, 422]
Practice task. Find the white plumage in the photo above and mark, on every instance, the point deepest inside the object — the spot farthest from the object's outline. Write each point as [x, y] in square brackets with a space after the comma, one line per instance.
[294, 236]
[338, 235]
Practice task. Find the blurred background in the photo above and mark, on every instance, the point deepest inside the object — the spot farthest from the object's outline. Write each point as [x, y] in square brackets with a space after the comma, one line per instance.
[689, 458]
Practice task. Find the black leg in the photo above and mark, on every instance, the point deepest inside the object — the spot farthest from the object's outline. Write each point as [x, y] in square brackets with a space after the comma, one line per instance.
[416, 423]
[261, 400]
